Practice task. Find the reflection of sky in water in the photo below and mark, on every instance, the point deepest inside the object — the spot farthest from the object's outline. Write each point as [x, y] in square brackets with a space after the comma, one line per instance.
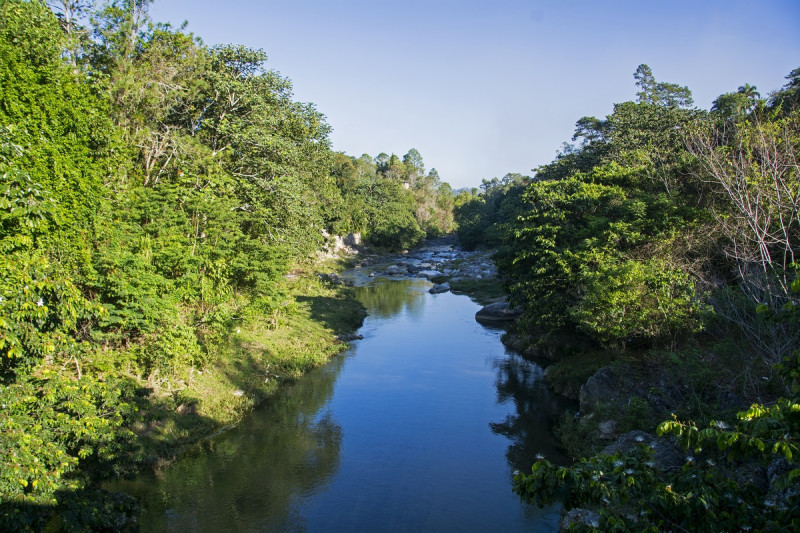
[417, 427]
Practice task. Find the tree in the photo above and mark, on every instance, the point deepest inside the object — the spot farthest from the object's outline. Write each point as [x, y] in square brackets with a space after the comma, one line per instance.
[660, 93]
[750, 91]
[788, 97]
[69, 11]
[731, 106]
[751, 167]
[415, 168]
[590, 130]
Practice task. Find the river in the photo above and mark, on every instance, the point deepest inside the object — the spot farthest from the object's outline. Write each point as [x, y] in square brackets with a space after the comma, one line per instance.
[418, 427]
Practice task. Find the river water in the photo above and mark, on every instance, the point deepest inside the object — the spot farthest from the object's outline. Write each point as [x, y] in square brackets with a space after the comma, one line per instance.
[418, 427]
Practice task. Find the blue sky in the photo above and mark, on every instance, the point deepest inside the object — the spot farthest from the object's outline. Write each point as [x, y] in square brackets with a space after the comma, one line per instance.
[482, 88]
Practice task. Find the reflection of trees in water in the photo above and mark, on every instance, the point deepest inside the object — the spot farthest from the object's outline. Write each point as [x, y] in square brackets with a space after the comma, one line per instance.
[253, 477]
[530, 427]
[387, 298]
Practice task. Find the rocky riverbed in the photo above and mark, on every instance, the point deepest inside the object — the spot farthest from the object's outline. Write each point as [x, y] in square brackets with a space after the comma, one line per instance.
[441, 261]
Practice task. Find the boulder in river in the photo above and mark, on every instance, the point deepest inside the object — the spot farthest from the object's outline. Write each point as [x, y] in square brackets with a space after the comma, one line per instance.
[393, 270]
[439, 288]
[429, 274]
[497, 312]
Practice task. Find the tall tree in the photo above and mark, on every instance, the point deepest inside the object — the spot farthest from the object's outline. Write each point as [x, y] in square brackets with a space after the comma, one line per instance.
[415, 168]
[660, 93]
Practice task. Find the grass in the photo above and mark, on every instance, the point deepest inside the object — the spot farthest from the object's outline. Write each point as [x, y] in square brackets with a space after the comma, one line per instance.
[261, 355]
[483, 291]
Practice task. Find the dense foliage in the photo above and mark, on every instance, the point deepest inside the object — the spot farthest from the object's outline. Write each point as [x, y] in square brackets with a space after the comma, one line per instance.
[663, 222]
[155, 194]
[393, 201]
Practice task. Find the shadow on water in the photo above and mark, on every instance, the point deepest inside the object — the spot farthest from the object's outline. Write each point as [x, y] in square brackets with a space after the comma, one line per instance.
[521, 381]
[262, 469]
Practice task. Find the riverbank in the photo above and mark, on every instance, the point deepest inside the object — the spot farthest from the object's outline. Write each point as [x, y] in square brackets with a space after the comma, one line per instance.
[157, 417]
[420, 425]
[318, 319]
[711, 378]
[262, 354]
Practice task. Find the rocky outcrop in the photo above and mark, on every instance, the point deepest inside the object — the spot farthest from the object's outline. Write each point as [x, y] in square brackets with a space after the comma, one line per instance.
[602, 387]
[336, 245]
[352, 240]
[498, 312]
[440, 288]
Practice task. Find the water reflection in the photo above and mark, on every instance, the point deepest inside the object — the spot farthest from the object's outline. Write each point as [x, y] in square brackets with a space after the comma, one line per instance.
[251, 478]
[388, 297]
[392, 437]
[529, 428]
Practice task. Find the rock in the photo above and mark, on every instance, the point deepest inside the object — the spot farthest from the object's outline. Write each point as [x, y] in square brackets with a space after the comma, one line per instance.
[353, 239]
[238, 392]
[187, 409]
[666, 454]
[518, 342]
[777, 468]
[601, 387]
[781, 498]
[393, 270]
[753, 475]
[429, 274]
[607, 429]
[372, 274]
[350, 337]
[583, 517]
[730, 401]
[440, 288]
[497, 312]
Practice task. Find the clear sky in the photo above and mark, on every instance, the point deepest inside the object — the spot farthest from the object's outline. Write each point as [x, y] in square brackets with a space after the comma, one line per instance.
[486, 87]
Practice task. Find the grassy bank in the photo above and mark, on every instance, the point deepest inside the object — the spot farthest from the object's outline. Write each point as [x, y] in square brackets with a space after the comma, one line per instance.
[261, 354]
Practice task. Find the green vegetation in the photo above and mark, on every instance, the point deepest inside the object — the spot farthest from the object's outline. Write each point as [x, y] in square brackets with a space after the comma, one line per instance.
[156, 195]
[392, 201]
[663, 230]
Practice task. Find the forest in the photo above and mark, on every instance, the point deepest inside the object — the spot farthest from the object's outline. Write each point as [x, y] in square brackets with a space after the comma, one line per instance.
[655, 258]
[159, 197]
[164, 204]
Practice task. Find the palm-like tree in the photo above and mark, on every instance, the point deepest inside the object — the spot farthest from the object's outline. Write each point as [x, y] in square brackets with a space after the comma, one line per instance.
[751, 92]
